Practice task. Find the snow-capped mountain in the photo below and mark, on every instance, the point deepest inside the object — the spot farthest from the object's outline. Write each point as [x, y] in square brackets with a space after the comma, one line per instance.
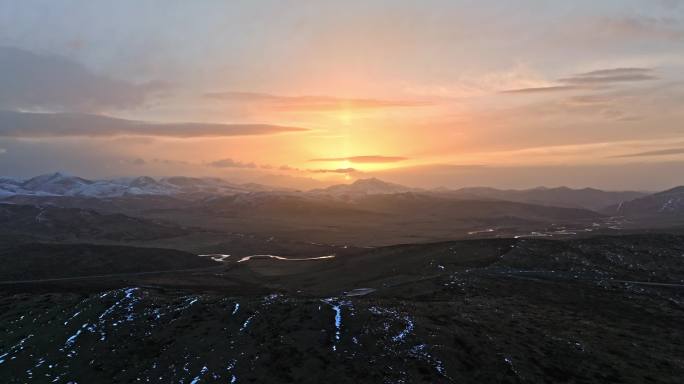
[11, 187]
[670, 202]
[60, 184]
[55, 184]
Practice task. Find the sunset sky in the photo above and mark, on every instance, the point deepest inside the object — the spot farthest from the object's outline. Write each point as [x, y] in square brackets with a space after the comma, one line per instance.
[306, 93]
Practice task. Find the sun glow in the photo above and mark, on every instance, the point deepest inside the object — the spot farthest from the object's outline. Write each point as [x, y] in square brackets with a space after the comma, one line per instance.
[345, 117]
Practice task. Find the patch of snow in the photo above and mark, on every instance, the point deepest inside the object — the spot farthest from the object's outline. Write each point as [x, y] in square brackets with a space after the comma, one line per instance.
[406, 331]
[246, 323]
[220, 257]
[481, 231]
[198, 377]
[337, 308]
[16, 348]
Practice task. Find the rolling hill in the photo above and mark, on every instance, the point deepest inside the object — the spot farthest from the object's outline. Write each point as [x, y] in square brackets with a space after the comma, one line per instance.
[68, 224]
[665, 204]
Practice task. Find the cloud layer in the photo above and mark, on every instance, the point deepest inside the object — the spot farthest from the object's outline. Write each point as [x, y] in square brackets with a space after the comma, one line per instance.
[313, 103]
[363, 159]
[32, 81]
[337, 170]
[662, 152]
[40, 125]
[230, 163]
[610, 76]
[593, 79]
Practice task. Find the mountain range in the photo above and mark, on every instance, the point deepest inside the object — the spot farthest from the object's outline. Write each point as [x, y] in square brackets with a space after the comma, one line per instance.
[588, 198]
[60, 184]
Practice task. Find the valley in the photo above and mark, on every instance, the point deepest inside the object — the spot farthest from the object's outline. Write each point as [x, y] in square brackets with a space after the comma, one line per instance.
[399, 287]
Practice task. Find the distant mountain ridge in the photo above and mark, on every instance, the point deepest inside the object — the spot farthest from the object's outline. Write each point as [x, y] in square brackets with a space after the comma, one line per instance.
[64, 185]
[587, 198]
[370, 186]
[60, 184]
[666, 203]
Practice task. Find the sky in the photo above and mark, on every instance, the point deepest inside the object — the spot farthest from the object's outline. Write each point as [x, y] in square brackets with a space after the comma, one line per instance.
[307, 93]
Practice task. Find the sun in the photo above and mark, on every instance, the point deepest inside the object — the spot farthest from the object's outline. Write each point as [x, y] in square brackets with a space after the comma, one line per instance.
[345, 117]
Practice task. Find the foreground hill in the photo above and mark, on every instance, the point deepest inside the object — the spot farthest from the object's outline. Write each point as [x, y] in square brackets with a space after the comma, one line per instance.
[606, 309]
[55, 261]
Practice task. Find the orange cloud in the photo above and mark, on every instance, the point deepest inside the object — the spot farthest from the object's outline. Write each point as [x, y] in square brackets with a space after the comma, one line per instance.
[230, 163]
[314, 103]
[337, 170]
[364, 159]
[553, 88]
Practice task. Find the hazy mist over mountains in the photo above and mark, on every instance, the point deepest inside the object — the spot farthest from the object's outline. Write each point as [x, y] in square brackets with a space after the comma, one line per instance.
[62, 184]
